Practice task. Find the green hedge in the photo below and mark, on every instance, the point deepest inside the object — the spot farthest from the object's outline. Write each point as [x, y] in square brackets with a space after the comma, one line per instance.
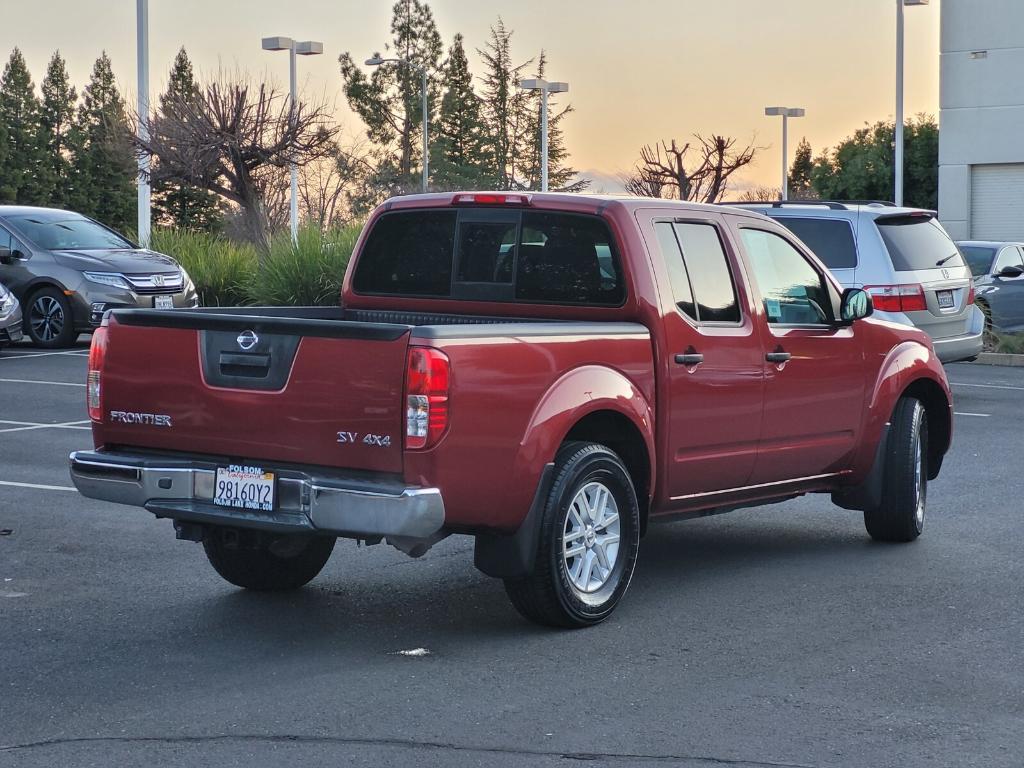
[226, 273]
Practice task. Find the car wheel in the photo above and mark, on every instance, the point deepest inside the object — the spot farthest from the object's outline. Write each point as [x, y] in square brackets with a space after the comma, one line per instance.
[48, 319]
[589, 538]
[263, 564]
[900, 517]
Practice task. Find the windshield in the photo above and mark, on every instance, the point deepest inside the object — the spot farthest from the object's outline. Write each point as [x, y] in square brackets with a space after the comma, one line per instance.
[918, 242]
[979, 258]
[68, 232]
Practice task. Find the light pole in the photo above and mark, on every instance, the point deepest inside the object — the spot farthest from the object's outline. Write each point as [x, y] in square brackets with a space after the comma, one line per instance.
[142, 40]
[898, 126]
[786, 113]
[376, 61]
[305, 48]
[545, 87]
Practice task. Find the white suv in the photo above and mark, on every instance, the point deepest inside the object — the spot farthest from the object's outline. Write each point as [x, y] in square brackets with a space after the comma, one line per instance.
[902, 257]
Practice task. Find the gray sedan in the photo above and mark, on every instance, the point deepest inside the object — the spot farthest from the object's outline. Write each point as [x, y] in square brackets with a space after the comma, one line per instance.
[10, 318]
[998, 270]
[67, 270]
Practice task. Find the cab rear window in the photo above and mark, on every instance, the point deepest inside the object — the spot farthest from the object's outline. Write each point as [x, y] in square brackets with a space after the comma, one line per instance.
[501, 255]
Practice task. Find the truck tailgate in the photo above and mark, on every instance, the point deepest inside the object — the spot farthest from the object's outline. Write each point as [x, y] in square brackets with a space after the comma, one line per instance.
[295, 391]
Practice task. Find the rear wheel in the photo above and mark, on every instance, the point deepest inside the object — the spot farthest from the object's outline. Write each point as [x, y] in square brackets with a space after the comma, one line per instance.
[263, 563]
[990, 340]
[589, 537]
[900, 517]
[48, 320]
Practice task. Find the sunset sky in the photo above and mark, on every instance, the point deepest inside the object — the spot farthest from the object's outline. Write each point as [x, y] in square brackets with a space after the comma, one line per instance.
[638, 71]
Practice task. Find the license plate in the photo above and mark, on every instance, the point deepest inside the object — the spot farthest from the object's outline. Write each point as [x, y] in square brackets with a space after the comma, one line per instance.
[163, 302]
[945, 299]
[244, 487]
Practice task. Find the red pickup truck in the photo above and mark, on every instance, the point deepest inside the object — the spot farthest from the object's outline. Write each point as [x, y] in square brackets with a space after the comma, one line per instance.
[548, 373]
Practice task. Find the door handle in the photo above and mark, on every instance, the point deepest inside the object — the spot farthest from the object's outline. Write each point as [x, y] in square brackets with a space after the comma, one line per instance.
[778, 356]
[690, 358]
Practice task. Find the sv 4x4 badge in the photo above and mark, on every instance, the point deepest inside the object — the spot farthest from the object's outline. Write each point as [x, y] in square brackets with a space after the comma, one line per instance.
[381, 441]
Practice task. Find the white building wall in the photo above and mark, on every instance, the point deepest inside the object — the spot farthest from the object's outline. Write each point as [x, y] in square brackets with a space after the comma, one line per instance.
[981, 100]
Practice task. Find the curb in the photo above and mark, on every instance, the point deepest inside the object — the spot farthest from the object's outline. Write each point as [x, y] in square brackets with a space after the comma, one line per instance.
[998, 358]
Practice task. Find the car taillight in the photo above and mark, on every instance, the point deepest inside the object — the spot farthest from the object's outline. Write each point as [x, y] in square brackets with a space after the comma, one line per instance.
[970, 295]
[93, 387]
[475, 198]
[897, 298]
[426, 396]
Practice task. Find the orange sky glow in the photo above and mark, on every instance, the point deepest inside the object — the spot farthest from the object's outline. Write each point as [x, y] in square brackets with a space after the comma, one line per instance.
[638, 71]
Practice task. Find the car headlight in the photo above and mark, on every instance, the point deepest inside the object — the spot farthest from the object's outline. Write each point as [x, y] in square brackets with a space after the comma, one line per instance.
[111, 279]
[185, 278]
[7, 302]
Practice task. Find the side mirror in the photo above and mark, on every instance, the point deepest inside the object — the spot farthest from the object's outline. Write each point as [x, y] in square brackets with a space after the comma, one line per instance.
[856, 305]
[1010, 271]
[6, 255]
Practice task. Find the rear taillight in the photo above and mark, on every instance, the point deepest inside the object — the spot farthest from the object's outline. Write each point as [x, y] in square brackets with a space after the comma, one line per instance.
[970, 295]
[426, 396]
[897, 298]
[93, 390]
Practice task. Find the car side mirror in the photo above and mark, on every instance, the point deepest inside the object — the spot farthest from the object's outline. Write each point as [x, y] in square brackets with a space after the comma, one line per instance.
[1010, 271]
[856, 305]
[6, 255]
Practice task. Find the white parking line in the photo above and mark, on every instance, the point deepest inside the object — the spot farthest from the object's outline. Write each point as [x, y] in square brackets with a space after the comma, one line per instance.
[987, 386]
[72, 353]
[38, 486]
[24, 426]
[32, 381]
[965, 413]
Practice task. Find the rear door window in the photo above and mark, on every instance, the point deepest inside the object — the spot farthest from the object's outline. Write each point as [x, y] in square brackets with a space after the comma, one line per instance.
[917, 242]
[979, 258]
[830, 239]
[708, 269]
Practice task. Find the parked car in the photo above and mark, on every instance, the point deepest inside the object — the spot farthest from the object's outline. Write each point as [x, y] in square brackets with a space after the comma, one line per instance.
[998, 270]
[548, 373]
[10, 318]
[67, 270]
[902, 257]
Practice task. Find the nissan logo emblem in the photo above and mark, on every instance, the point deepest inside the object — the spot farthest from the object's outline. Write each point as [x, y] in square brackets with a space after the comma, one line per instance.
[247, 340]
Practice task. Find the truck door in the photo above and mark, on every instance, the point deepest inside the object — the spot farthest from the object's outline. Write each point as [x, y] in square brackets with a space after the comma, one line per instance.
[814, 368]
[714, 362]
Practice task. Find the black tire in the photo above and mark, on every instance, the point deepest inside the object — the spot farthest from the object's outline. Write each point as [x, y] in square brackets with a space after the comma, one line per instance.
[266, 564]
[49, 322]
[900, 518]
[548, 595]
[990, 340]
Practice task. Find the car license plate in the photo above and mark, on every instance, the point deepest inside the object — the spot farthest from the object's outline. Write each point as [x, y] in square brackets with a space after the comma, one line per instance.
[163, 302]
[244, 487]
[945, 299]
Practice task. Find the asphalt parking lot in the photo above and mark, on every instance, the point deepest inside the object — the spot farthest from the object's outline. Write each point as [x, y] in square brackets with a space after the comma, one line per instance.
[779, 636]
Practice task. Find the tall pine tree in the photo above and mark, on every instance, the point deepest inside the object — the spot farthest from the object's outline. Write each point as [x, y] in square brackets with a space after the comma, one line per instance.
[57, 121]
[800, 171]
[104, 161]
[389, 101]
[504, 102]
[177, 205]
[24, 171]
[461, 150]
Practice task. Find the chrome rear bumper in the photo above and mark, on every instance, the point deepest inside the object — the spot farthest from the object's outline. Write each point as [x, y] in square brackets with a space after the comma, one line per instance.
[182, 489]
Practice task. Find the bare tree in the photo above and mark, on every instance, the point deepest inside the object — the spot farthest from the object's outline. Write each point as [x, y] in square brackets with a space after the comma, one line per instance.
[761, 195]
[666, 169]
[230, 140]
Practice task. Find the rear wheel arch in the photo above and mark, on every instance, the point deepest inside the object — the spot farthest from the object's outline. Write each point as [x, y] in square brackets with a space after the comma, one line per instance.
[620, 434]
[940, 426]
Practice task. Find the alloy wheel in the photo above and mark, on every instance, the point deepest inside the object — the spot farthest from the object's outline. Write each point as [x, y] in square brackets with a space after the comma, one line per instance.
[590, 537]
[47, 318]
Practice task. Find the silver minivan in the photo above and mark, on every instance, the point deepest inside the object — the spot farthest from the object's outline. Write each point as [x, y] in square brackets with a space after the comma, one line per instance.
[902, 257]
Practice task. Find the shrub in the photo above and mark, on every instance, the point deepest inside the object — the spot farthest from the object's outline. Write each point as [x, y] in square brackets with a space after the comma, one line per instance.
[306, 273]
[1010, 343]
[221, 269]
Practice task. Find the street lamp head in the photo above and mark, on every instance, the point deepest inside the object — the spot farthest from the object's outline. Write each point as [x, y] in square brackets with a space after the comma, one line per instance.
[558, 87]
[915, 2]
[534, 84]
[277, 43]
[374, 61]
[785, 111]
[309, 48]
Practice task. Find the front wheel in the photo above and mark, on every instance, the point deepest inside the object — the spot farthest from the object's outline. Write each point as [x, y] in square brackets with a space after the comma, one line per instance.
[266, 564]
[900, 517]
[48, 320]
[589, 538]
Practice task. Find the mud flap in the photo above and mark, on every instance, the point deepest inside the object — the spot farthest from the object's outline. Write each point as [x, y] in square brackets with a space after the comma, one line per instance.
[512, 556]
[868, 495]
